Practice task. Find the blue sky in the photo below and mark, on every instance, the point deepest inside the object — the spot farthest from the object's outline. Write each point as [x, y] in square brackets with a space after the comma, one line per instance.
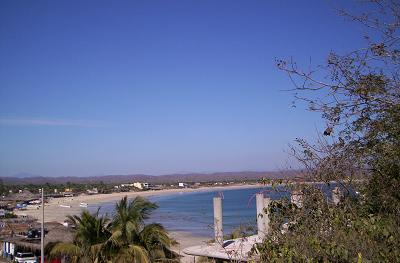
[156, 87]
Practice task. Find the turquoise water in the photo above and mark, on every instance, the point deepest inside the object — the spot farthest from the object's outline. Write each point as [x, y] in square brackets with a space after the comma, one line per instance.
[193, 212]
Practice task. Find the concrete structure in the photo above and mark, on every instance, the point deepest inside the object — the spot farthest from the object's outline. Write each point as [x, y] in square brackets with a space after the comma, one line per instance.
[233, 249]
[262, 215]
[267, 202]
[182, 184]
[218, 230]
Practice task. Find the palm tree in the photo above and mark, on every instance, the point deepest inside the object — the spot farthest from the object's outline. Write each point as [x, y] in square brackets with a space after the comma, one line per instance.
[88, 246]
[127, 238]
[135, 241]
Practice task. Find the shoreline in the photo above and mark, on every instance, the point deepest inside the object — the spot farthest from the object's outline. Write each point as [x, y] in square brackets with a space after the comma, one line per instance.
[57, 209]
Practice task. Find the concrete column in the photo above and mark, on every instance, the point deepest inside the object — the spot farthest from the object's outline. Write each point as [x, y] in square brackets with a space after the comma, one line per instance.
[218, 231]
[267, 201]
[260, 215]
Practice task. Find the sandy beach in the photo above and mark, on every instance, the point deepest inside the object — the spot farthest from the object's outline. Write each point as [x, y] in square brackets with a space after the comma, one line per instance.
[57, 209]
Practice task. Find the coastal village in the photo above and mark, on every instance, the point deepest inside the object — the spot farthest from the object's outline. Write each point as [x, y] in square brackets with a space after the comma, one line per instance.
[20, 214]
[20, 220]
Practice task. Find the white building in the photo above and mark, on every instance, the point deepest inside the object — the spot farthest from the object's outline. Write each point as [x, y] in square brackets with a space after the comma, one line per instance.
[182, 184]
[141, 185]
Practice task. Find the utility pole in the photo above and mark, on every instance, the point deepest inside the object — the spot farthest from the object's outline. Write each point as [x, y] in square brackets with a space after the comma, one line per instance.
[42, 231]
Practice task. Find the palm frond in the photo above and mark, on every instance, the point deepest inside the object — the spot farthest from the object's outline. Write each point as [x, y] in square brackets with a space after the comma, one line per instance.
[155, 235]
[65, 249]
[115, 239]
[138, 253]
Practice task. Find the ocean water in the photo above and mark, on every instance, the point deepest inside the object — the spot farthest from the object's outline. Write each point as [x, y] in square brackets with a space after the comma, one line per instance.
[193, 212]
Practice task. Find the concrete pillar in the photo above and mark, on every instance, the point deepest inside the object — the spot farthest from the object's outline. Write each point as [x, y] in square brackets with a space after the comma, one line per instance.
[260, 215]
[218, 231]
[267, 201]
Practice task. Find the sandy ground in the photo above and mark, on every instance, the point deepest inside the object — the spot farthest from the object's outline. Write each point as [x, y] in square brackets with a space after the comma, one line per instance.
[55, 212]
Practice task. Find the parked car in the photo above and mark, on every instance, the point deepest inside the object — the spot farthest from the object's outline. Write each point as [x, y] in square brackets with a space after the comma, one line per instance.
[33, 233]
[22, 257]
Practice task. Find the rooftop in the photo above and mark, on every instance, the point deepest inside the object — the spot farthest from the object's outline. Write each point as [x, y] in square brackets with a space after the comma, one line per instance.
[234, 249]
[56, 232]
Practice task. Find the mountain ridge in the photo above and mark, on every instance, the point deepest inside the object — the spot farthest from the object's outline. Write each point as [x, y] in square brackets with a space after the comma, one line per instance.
[156, 179]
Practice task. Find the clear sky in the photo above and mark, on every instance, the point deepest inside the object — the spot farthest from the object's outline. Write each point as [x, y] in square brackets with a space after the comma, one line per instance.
[156, 87]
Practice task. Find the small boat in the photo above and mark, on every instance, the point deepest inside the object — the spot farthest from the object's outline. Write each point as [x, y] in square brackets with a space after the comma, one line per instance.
[66, 206]
[83, 205]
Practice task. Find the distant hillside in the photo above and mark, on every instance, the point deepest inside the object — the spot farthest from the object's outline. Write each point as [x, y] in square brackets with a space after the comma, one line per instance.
[169, 178]
[25, 175]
